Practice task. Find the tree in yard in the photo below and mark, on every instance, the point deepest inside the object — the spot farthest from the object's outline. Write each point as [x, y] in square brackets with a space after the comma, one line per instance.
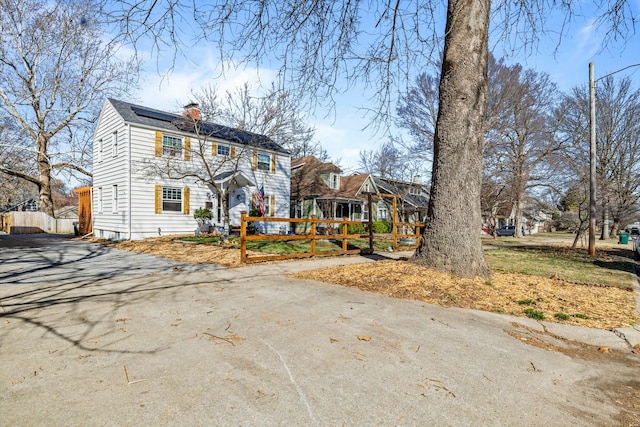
[212, 164]
[56, 71]
[574, 206]
[274, 117]
[521, 139]
[617, 146]
[276, 114]
[318, 42]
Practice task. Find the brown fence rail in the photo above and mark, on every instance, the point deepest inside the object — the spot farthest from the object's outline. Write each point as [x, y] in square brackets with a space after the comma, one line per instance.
[313, 236]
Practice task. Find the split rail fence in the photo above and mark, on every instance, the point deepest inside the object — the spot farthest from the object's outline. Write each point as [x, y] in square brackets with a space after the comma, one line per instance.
[314, 237]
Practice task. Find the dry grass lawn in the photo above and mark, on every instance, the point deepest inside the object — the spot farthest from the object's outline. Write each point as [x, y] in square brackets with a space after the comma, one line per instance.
[584, 305]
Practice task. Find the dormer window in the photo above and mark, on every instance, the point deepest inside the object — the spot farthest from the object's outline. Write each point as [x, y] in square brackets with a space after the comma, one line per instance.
[334, 181]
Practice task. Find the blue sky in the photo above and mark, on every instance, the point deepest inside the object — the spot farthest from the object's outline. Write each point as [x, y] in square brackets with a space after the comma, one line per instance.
[342, 132]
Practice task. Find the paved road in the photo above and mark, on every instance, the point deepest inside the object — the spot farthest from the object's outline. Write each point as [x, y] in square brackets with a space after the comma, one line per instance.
[95, 336]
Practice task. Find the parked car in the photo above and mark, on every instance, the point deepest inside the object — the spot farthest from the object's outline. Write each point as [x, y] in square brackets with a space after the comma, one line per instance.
[636, 248]
[508, 230]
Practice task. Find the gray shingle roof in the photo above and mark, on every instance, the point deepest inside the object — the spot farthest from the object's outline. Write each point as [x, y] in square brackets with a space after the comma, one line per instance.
[402, 188]
[163, 120]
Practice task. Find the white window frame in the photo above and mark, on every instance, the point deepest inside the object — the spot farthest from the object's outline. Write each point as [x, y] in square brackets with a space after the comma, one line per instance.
[383, 212]
[262, 164]
[100, 150]
[267, 205]
[171, 147]
[100, 204]
[334, 181]
[114, 198]
[169, 196]
[114, 144]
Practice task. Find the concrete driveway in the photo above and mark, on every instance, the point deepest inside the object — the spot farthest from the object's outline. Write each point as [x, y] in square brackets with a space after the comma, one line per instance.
[95, 336]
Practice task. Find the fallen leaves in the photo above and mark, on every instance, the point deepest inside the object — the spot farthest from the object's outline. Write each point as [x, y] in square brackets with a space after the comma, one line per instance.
[595, 306]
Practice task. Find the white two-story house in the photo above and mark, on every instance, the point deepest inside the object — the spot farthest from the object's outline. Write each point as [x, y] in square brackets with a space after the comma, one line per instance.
[152, 169]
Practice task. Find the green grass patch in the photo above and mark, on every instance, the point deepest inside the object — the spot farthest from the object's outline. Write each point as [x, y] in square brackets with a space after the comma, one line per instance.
[581, 316]
[562, 316]
[534, 314]
[209, 240]
[526, 302]
[574, 265]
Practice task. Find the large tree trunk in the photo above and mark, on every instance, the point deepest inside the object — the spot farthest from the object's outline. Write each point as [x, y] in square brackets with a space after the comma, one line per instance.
[604, 235]
[451, 237]
[44, 176]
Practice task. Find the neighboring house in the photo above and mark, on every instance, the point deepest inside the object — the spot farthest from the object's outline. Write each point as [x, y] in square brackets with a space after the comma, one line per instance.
[133, 199]
[504, 214]
[412, 199]
[320, 189]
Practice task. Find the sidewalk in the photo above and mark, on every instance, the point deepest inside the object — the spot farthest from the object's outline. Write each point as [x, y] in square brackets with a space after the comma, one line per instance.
[622, 339]
[619, 338]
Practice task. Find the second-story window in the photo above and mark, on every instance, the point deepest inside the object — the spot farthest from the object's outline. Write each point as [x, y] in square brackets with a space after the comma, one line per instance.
[264, 162]
[114, 144]
[223, 150]
[100, 150]
[171, 146]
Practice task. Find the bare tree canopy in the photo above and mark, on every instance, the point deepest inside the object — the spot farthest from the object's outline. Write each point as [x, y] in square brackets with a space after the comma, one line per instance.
[618, 146]
[56, 71]
[276, 114]
[318, 44]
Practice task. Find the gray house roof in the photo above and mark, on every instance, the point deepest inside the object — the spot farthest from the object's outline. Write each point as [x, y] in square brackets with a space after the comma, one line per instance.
[400, 187]
[158, 119]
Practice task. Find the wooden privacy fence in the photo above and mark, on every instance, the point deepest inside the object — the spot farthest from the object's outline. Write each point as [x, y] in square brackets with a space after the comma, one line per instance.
[35, 222]
[314, 237]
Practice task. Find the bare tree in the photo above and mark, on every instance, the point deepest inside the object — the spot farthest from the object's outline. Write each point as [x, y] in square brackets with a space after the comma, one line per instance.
[618, 145]
[387, 161]
[378, 44]
[56, 70]
[522, 138]
[417, 111]
[276, 114]
[219, 170]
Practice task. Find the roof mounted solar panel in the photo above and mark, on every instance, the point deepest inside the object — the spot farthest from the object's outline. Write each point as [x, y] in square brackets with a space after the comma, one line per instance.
[143, 112]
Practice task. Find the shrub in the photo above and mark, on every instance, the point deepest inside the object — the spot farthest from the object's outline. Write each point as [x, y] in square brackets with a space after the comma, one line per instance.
[534, 314]
[382, 226]
[355, 228]
[203, 214]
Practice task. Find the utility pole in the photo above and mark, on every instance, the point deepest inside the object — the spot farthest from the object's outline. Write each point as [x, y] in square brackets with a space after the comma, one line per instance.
[592, 160]
[592, 153]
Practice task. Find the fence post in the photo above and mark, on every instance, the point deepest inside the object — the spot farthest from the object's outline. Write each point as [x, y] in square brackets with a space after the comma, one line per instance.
[417, 234]
[243, 237]
[344, 235]
[313, 234]
[369, 201]
[395, 224]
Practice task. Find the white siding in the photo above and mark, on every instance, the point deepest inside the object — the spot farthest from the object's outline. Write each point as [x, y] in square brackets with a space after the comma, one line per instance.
[136, 148]
[109, 171]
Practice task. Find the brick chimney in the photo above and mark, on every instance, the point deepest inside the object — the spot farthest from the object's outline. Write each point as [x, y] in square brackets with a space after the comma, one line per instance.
[192, 110]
